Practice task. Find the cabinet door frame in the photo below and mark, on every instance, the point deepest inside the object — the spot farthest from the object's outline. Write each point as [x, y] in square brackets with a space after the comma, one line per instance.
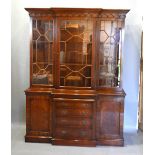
[43, 18]
[57, 54]
[98, 28]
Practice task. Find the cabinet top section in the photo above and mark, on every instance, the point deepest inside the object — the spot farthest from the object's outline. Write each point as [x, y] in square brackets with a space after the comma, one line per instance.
[78, 12]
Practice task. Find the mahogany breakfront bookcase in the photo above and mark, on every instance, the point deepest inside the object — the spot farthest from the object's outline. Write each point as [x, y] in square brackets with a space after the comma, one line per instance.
[75, 95]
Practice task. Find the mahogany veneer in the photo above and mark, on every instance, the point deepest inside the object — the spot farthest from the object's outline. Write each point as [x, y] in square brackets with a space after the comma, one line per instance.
[75, 95]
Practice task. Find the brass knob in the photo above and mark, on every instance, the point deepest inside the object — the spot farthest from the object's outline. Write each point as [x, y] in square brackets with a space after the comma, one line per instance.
[83, 112]
[63, 132]
[86, 105]
[64, 112]
[82, 133]
[64, 120]
[84, 122]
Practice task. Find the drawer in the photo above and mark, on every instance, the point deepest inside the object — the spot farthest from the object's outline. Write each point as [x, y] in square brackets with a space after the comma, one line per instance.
[68, 133]
[74, 112]
[73, 103]
[74, 122]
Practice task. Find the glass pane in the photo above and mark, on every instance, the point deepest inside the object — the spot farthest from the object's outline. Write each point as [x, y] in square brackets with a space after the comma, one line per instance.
[43, 49]
[42, 65]
[49, 35]
[109, 56]
[43, 26]
[36, 35]
[76, 53]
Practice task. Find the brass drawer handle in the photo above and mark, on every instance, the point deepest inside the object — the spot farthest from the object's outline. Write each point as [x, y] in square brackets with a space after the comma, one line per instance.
[63, 121]
[64, 112]
[63, 132]
[86, 105]
[84, 112]
[64, 104]
[84, 122]
[82, 133]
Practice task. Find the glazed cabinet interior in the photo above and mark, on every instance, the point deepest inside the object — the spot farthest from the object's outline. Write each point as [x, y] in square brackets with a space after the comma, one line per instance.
[75, 95]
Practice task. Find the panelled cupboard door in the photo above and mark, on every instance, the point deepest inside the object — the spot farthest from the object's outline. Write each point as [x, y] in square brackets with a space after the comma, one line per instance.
[38, 119]
[109, 118]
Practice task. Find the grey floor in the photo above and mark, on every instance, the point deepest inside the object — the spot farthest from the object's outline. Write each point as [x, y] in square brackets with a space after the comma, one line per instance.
[133, 146]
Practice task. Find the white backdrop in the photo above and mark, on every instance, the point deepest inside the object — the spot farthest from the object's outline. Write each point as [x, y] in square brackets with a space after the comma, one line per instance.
[20, 51]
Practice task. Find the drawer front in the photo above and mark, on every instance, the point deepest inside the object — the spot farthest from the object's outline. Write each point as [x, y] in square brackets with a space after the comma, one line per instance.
[74, 103]
[74, 122]
[74, 112]
[68, 133]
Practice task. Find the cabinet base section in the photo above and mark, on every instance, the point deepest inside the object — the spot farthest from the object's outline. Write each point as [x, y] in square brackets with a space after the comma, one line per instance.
[111, 142]
[38, 139]
[67, 142]
[90, 143]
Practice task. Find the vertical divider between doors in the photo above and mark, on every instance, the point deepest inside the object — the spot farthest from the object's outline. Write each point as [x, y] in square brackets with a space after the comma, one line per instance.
[97, 51]
[57, 63]
[93, 55]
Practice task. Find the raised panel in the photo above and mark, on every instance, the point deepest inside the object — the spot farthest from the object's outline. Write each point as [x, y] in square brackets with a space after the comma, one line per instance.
[109, 118]
[38, 114]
